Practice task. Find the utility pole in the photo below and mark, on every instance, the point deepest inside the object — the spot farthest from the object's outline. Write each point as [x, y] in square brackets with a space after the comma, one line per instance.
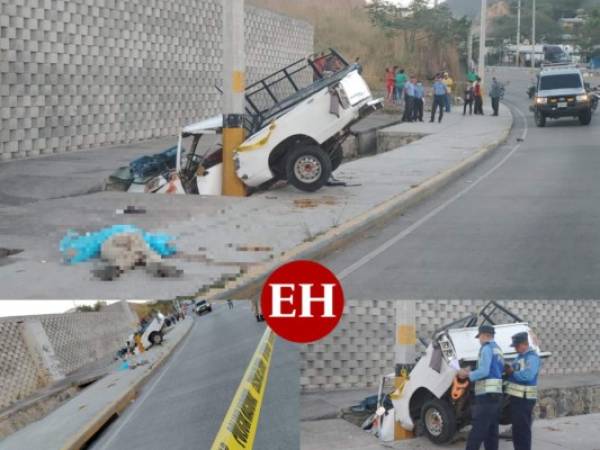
[482, 39]
[517, 61]
[405, 353]
[533, 38]
[470, 50]
[234, 67]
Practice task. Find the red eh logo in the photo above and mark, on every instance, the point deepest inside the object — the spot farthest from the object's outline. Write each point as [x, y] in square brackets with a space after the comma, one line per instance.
[302, 301]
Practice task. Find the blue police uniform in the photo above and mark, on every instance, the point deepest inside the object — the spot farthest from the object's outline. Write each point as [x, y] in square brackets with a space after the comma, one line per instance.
[521, 387]
[486, 409]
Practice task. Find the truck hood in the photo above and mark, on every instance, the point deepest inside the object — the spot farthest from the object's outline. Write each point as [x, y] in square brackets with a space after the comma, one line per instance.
[561, 92]
[207, 126]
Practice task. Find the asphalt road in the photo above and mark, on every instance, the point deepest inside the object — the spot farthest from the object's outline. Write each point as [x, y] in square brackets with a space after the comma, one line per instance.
[183, 405]
[524, 224]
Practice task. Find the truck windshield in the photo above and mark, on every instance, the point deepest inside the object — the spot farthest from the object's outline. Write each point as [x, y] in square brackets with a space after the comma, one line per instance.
[564, 81]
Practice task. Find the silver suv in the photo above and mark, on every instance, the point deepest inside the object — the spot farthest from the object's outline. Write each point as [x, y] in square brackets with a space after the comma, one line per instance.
[561, 92]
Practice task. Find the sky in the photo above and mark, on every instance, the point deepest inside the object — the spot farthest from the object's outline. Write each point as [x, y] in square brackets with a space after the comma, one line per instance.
[10, 308]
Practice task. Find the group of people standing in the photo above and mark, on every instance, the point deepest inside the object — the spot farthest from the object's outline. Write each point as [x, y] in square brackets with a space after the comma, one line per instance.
[410, 90]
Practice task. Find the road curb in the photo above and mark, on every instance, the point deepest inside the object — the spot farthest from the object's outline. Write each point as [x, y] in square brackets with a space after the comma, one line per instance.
[118, 405]
[337, 237]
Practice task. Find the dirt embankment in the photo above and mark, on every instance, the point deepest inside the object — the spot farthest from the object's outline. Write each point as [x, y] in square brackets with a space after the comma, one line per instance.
[346, 26]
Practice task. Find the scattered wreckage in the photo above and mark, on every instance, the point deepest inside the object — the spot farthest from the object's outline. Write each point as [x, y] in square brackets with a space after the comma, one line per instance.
[433, 401]
[296, 121]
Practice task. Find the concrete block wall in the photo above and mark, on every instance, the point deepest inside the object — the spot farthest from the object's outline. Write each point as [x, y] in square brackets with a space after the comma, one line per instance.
[71, 340]
[362, 347]
[19, 373]
[77, 74]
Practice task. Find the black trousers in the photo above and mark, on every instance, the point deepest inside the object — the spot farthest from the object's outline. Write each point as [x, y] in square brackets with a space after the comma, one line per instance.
[521, 417]
[409, 103]
[496, 105]
[485, 419]
[468, 103]
[438, 101]
[479, 105]
[418, 109]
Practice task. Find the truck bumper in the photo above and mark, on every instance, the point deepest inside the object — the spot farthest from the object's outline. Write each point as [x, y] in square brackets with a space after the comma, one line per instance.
[555, 112]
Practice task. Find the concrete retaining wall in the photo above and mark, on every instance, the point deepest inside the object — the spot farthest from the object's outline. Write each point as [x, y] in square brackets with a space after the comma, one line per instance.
[38, 350]
[362, 347]
[76, 74]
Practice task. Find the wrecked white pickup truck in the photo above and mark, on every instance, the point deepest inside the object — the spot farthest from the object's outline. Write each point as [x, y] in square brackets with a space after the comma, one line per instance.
[296, 120]
[433, 402]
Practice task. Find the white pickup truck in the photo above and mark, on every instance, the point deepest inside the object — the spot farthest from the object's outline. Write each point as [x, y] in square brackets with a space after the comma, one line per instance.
[427, 403]
[296, 120]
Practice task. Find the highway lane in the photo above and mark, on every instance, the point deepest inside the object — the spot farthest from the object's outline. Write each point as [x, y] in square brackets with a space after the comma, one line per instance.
[183, 405]
[524, 224]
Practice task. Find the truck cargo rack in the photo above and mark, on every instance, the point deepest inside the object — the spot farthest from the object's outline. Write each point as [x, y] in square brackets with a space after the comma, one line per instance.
[277, 93]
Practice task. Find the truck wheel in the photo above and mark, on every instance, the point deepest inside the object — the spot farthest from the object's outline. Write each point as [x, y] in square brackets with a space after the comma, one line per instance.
[585, 118]
[439, 421]
[540, 119]
[156, 338]
[308, 168]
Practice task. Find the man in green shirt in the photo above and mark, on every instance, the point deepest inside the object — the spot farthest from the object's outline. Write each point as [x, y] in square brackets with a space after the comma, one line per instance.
[401, 79]
[471, 76]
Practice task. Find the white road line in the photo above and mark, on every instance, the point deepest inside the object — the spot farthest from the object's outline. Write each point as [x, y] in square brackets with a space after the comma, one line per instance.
[131, 412]
[415, 226]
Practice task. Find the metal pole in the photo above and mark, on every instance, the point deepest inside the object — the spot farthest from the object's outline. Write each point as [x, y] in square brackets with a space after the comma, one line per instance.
[533, 37]
[518, 62]
[470, 50]
[405, 353]
[482, 39]
[234, 67]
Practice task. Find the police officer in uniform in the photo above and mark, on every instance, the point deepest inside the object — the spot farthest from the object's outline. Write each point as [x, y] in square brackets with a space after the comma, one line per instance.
[521, 387]
[487, 406]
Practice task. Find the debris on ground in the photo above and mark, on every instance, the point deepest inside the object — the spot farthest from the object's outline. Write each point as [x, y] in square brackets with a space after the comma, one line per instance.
[131, 210]
[6, 252]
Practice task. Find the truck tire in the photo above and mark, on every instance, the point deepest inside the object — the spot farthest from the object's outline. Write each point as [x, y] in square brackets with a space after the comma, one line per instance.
[156, 338]
[439, 421]
[308, 167]
[540, 119]
[585, 118]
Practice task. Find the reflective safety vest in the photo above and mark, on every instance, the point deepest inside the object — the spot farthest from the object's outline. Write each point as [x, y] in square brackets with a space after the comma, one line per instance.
[488, 386]
[493, 383]
[524, 387]
[520, 390]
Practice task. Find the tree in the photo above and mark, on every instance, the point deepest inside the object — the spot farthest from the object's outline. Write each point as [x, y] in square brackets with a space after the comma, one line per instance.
[588, 36]
[87, 308]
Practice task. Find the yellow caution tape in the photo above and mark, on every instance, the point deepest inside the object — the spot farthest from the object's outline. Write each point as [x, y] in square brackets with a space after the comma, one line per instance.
[261, 143]
[239, 427]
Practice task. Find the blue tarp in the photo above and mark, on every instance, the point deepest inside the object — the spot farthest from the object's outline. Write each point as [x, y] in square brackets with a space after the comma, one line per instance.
[153, 165]
[76, 248]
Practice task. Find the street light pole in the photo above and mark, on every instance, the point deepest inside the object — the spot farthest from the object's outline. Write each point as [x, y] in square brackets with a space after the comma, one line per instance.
[533, 37]
[482, 39]
[234, 67]
[518, 63]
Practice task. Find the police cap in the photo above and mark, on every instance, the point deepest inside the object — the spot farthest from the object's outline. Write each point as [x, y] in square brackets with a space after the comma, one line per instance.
[520, 338]
[486, 329]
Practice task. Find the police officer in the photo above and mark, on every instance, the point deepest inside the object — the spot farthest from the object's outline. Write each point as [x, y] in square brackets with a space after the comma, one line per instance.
[522, 390]
[485, 413]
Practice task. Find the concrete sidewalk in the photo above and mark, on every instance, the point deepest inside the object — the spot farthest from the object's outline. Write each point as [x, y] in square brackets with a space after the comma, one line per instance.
[73, 423]
[565, 433]
[221, 241]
